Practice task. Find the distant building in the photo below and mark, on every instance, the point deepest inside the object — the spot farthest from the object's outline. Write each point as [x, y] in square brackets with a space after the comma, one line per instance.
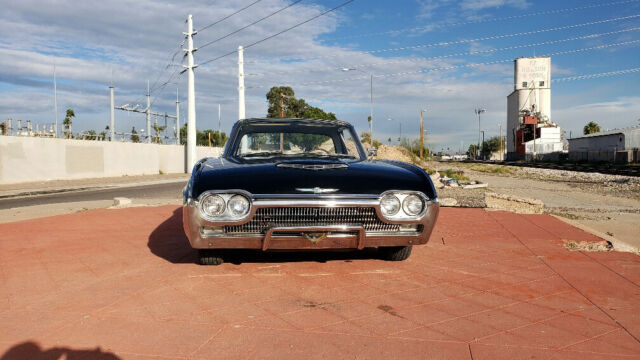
[530, 131]
[612, 145]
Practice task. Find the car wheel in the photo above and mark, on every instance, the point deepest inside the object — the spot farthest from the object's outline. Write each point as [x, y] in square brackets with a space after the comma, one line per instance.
[208, 257]
[396, 253]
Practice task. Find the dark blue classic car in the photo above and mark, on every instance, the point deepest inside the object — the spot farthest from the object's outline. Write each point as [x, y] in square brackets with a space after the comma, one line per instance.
[286, 184]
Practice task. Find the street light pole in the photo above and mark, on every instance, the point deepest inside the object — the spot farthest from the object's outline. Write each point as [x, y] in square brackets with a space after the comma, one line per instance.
[478, 111]
[482, 150]
[371, 100]
[421, 133]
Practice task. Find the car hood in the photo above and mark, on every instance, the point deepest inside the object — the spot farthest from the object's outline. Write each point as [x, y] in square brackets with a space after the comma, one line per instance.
[288, 177]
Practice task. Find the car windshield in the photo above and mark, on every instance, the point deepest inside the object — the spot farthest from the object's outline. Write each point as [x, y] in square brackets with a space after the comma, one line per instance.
[291, 141]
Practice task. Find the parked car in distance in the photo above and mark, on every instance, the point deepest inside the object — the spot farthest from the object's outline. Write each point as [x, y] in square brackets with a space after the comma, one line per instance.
[288, 184]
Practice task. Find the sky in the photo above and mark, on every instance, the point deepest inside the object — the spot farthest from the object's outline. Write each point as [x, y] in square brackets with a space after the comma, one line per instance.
[447, 57]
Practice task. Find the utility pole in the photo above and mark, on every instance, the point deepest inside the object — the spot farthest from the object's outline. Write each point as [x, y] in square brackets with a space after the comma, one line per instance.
[177, 119]
[148, 112]
[421, 134]
[112, 115]
[55, 101]
[371, 112]
[218, 118]
[282, 117]
[191, 97]
[500, 138]
[241, 114]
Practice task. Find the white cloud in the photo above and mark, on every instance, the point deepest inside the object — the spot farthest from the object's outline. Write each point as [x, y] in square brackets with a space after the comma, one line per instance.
[483, 4]
[134, 41]
[619, 113]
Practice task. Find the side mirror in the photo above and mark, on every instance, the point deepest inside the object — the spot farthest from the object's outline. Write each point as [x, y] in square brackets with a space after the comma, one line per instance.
[371, 152]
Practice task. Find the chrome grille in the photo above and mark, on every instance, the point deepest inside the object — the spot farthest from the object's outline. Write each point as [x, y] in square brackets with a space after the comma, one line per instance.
[266, 218]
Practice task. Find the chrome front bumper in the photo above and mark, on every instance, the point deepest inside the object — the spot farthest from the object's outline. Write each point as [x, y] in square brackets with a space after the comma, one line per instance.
[204, 234]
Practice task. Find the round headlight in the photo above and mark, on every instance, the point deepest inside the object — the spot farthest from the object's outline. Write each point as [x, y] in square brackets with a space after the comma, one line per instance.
[238, 205]
[389, 205]
[212, 205]
[412, 205]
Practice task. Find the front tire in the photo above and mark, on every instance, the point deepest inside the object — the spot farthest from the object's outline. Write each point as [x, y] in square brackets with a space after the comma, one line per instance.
[209, 257]
[395, 253]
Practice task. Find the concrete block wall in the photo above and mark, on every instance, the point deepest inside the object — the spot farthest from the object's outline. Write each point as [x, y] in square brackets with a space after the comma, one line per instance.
[25, 159]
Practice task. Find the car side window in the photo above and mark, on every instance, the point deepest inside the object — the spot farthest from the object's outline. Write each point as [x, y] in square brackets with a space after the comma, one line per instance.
[349, 143]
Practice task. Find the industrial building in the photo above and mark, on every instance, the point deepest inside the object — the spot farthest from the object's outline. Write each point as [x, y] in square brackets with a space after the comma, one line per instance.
[620, 145]
[530, 132]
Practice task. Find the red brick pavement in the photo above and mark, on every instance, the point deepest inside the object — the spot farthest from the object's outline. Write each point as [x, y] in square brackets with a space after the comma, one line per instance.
[123, 284]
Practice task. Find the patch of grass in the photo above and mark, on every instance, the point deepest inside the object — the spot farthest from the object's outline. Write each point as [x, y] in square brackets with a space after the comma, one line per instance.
[454, 174]
[491, 169]
[567, 215]
[485, 168]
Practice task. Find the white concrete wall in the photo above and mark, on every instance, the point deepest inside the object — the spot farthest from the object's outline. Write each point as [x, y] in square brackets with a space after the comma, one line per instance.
[24, 159]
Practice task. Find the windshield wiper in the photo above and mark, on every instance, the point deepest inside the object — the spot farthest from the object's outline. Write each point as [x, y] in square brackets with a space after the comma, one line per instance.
[340, 156]
[262, 154]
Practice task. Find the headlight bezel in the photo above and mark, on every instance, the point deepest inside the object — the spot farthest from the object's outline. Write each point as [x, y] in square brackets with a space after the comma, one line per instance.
[226, 216]
[402, 214]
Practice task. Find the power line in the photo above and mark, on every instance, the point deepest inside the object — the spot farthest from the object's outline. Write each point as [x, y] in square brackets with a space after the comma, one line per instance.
[228, 16]
[598, 75]
[546, 12]
[452, 67]
[169, 64]
[466, 53]
[279, 33]
[251, 24]
[464, 41]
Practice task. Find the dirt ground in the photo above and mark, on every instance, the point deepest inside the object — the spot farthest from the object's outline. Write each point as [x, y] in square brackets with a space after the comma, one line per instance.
[606, 205]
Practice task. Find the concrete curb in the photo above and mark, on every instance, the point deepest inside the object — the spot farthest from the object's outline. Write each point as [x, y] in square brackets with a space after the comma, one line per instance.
[618, 245]
[46, 191]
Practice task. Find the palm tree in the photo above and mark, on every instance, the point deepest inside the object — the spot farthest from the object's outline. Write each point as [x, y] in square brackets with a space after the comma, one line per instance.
[134, 135]
[591, 128]
[157, 130]
[67, 123]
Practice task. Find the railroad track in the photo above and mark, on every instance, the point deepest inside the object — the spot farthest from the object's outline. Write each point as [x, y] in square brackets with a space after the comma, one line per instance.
[610, 169]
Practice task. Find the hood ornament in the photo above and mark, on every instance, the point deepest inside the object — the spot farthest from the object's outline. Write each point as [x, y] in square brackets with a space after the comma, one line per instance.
[328, 166]
[317, 190]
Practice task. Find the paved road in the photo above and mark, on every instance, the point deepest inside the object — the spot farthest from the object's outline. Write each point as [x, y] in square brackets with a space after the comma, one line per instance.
[155, 191]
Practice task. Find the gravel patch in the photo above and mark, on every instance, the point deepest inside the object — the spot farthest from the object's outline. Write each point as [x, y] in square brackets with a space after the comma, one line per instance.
[471, 198]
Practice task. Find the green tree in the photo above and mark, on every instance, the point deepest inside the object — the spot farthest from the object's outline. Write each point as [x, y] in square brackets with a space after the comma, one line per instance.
[414, 146]
[157, 129]
[218, 138]
[365, 137]
[103, 134]
[472, 151]
[492, 145]
[293, 108]
[91, 135]
[67, 123]
[134, 135]
[3, 129]
[591, 128]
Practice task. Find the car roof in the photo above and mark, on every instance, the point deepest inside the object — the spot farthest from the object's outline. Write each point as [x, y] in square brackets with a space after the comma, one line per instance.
[293, 121]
